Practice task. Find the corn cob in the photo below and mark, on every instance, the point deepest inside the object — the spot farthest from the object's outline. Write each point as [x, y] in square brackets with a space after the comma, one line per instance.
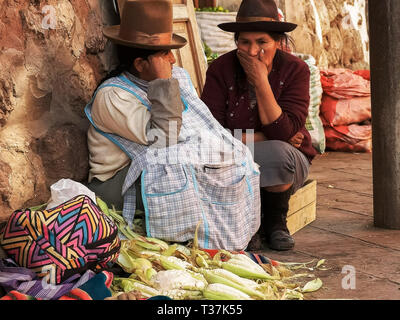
[177, 279]
[197, 276]
[180, 294]
[129, 284]
[126, 262]
[243, 266]
[200, 261]
[162, 244]
[183, 250]
[244, 260]
[230, 279]
[246, 272]
[145, 270]
[142, 267]
[138, 251]
[172, 262]
[219, 291]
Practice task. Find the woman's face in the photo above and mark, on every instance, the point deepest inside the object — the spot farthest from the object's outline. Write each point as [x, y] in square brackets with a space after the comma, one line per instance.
[253, 42]
[155, 66]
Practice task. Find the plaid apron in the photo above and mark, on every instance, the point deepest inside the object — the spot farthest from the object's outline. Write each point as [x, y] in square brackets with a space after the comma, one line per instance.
[208, 176]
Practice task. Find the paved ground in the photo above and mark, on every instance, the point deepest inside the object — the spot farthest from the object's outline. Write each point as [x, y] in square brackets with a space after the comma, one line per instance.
[344, 234]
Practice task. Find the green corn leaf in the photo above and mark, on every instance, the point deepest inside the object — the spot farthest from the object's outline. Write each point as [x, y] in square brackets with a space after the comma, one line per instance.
[320, 262]
[246, 273]
[39, 207]
[312, 285]
[102, 205]
[219, 291]
[171, 250]
[234, 281]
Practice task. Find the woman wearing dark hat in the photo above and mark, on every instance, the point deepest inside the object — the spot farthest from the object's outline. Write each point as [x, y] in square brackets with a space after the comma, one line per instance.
[261, 88]
[143, 41]
[154, 144]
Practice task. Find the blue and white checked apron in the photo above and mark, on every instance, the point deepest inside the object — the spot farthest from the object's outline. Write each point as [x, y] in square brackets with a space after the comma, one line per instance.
[208, 176]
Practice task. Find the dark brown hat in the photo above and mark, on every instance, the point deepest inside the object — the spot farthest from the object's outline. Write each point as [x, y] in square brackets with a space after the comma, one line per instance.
[258, 15]
[146, 24]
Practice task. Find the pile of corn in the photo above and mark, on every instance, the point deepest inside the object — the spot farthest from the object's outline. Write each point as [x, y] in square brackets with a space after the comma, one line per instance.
[187, 272]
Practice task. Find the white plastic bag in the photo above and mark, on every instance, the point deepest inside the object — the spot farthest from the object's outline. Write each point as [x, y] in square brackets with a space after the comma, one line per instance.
[66, 189]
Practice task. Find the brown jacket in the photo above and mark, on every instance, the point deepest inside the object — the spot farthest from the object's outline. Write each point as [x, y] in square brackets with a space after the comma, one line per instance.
[230, 104]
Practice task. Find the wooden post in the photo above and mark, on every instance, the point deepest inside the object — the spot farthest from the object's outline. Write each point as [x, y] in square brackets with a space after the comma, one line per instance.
[384, 27]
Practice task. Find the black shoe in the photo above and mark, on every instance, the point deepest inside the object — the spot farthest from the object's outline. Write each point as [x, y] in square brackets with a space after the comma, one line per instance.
[276, 206]
[280, 240]
[256, 243]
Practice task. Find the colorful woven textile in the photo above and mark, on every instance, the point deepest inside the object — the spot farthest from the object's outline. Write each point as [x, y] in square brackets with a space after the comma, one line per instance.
[63, 241]
[25, 281]
[23, 284]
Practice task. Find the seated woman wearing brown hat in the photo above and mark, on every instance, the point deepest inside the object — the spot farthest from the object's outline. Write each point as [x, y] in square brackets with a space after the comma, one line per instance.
[264, 89]
[154, 144]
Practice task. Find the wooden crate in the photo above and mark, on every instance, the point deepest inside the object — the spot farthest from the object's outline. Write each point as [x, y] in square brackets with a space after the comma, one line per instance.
[302, 207]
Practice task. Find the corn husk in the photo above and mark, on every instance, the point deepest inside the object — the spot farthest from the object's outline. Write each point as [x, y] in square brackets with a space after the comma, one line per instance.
[179, 271]
[312, 285]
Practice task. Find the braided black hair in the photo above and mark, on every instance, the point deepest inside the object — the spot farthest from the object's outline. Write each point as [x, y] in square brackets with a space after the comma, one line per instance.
[126, 57]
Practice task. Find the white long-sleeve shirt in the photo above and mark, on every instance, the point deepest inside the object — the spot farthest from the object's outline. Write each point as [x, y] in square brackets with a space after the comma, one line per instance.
[117, 111]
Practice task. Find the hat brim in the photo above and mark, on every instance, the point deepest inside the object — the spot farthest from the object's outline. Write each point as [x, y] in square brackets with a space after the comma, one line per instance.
[112, 33]
[267, 26]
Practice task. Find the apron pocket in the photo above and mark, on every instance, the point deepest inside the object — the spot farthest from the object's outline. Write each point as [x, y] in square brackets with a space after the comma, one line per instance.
[221, 185]
[161, 180]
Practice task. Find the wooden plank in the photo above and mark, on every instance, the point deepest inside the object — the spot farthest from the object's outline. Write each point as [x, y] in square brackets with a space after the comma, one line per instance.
[191, 57]
[303, 196]
[302, 207]
[302, 217]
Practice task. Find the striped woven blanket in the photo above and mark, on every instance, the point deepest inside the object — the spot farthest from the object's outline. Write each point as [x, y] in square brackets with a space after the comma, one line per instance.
[23, 284]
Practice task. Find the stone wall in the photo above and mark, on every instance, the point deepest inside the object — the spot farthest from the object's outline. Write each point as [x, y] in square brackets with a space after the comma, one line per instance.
[333, 31]
[52, 56]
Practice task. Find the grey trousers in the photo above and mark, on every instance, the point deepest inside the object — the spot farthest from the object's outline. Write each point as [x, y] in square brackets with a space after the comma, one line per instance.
[110, 190]
[280, 163]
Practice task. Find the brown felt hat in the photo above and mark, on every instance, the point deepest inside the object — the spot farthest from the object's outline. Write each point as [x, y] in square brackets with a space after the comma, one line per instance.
[146, 24]
[258, 15]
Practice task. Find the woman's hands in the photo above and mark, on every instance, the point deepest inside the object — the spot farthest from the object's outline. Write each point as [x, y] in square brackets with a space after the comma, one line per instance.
[296, 140]
[159, 66]
[156, 66]
[256, 68]
[258, 136]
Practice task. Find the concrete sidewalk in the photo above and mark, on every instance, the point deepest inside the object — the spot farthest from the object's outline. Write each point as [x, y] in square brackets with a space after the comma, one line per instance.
[344, 234]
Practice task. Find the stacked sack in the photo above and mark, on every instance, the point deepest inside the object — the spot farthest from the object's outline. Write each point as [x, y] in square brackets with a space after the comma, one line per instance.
[345, 110]
[313, 122]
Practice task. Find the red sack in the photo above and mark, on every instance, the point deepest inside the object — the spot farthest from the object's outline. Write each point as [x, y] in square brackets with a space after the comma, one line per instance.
[366, 74]
[336, 112]
[344, 84]
[351, 138]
